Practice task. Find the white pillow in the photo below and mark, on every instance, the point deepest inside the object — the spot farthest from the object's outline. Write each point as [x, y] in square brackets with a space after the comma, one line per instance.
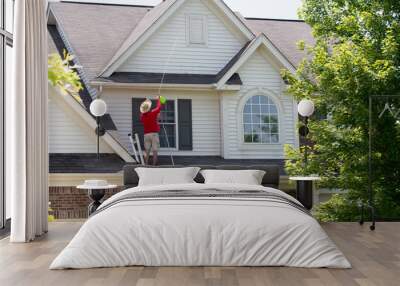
[166, 176]
[247, 177]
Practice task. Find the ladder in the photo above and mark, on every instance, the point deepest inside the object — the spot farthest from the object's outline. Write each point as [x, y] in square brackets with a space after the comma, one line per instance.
[138, 153]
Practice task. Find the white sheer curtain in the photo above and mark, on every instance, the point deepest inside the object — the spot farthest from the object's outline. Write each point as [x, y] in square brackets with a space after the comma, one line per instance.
[26, 123]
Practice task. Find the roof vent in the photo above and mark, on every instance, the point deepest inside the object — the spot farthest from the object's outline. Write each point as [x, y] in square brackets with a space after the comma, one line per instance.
[196, 30]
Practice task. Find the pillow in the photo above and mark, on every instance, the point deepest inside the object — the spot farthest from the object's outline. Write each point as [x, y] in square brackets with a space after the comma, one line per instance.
[166, 176]
[247, 177]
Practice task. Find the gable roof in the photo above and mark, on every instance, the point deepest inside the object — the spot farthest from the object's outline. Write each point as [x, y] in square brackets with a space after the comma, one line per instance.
[261, 40]
[94, 32]
[158, 15]
[284, 34]
[94, 40]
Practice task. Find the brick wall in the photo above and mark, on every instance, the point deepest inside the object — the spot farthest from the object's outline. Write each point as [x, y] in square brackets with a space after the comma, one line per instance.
[71, 203]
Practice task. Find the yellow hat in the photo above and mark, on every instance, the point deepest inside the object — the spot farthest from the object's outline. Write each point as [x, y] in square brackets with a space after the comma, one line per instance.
[145, 106]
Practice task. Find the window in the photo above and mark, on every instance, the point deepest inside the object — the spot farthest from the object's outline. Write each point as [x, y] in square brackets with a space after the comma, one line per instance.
[196, 30]
[260, 121]
[168, 125]
[6, 43]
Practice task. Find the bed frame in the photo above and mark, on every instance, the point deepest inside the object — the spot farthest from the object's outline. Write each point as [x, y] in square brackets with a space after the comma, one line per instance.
[271, 178]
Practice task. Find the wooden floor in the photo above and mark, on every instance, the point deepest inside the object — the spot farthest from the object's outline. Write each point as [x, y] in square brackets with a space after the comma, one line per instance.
[375, 257]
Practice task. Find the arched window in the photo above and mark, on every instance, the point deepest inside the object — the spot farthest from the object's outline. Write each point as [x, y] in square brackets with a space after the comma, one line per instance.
[260, 120]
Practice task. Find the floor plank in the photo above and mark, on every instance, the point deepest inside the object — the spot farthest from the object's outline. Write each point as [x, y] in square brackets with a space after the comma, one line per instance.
[375, 257]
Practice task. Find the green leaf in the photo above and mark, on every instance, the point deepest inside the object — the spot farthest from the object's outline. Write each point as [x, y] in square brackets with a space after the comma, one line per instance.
[63, 76]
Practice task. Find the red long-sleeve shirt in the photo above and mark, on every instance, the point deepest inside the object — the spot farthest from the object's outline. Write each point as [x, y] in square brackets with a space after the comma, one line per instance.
[150, 120]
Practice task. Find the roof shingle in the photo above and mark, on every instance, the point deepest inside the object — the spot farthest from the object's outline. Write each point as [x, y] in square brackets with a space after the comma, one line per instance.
[96, 32]
[284, 34]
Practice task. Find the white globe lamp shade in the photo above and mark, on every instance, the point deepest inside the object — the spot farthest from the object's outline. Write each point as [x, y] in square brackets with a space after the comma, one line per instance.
[98, 107]
[306, 108]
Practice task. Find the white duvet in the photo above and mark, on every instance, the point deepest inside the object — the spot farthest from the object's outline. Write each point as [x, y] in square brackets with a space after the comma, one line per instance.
[200, 232]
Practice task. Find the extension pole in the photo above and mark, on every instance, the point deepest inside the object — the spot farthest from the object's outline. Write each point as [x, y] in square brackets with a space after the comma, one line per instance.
[160, 88]
[169, 146]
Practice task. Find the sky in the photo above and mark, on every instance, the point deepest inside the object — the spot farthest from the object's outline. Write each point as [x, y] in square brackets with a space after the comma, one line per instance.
[277, 9]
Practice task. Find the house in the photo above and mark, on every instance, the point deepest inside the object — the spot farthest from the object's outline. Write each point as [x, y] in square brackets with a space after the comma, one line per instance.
[219, 71]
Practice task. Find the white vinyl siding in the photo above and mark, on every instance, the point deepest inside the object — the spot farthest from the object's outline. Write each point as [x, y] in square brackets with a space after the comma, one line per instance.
[68, 133]
[258, 72]
[205, 117]
[168, 48]
[259, 78]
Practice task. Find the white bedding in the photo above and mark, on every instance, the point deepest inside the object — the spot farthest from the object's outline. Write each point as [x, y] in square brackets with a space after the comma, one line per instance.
[200, 232]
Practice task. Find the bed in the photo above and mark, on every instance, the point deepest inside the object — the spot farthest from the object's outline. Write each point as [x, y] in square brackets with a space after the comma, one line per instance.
[195, 224]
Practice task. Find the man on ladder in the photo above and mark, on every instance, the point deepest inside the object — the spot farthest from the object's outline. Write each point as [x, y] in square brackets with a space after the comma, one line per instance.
[149, 119]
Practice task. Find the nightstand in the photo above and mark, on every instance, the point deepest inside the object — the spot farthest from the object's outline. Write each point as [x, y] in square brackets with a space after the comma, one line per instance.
[96, 191]
[304, 190]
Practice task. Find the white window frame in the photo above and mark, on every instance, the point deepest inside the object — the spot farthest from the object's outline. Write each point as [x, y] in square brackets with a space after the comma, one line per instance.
[203, 18]
[240, 124]
[176, 148]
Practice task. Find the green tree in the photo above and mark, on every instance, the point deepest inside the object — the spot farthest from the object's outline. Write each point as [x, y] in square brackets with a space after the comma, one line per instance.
[357, 54]
[63, 76]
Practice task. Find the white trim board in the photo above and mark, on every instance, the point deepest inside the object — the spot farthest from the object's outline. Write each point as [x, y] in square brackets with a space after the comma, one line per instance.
[91, 122]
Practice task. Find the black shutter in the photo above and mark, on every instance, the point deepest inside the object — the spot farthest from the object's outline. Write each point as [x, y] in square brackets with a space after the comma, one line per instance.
[185, 124]
[137, 126]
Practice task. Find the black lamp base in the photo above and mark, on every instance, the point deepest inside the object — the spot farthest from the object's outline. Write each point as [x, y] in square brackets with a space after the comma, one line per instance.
[100, 131]
[305, 193]
[96, 196]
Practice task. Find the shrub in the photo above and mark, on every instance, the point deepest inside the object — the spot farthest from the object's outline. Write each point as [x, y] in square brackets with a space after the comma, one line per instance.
[338, 208]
